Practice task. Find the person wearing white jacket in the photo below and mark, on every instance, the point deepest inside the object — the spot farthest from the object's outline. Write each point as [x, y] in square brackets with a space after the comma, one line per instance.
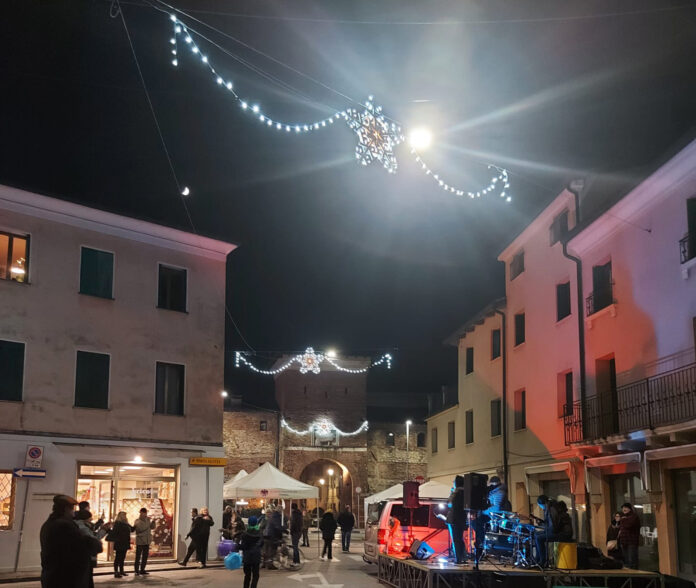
[143, 537]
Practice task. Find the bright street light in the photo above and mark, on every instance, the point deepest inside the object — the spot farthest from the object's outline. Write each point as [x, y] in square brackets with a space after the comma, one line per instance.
[330, 471]
[322, 481]
[331, 353]
[224, 394]
[420, 138]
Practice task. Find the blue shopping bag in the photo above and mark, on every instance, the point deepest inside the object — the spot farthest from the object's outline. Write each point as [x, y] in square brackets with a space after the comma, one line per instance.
[233, 561]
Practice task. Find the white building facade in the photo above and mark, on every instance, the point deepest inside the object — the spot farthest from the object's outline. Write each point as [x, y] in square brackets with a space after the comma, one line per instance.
[111, 364]
[599, 369]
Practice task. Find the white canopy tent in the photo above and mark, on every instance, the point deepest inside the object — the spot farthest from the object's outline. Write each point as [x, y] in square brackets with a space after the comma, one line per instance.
[238, 476]
[269, 482]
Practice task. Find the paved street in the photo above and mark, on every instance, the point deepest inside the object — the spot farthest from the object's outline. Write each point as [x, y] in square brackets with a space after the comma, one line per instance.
[346, 570]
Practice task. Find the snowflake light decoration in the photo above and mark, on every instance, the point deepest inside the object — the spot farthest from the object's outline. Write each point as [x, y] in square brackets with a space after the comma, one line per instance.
[309, 361]
[376, 137]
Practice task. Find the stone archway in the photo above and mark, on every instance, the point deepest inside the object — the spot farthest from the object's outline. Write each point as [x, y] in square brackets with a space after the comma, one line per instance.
[337, 487]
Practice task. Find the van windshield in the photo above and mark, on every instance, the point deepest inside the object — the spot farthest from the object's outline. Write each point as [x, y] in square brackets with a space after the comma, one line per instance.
[423, 516]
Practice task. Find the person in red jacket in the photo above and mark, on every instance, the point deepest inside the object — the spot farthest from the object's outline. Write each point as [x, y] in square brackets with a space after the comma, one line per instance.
[629, 535]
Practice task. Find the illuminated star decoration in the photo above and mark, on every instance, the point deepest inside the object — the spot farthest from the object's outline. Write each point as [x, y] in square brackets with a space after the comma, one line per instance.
[376, 137]
[309, 361]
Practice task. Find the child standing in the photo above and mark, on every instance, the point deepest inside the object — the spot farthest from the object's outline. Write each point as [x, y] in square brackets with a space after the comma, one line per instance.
[250, 546]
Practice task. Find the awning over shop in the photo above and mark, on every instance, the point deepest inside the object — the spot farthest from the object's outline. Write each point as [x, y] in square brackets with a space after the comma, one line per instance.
[238, 476]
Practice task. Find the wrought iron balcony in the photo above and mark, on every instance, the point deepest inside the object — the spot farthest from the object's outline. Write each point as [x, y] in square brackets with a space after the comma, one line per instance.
[666, 399]
[687, 247]
[599, 299]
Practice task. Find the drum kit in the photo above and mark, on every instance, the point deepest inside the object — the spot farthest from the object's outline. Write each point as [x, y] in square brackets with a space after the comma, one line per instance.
[509, 540]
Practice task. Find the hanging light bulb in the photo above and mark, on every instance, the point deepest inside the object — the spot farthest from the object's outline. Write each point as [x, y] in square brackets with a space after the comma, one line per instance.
[185, 191]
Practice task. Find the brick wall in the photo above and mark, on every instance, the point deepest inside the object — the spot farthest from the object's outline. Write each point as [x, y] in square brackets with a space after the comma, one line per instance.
[246, 446]
[386, 464]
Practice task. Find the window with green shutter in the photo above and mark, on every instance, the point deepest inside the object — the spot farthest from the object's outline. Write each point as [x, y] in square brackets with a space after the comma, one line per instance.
[96, 273]
[92, 380]
[11, 370]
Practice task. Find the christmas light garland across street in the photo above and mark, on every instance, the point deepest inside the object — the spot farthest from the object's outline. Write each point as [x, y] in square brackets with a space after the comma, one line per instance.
[324, 428]
[377, 137]
[309, 361]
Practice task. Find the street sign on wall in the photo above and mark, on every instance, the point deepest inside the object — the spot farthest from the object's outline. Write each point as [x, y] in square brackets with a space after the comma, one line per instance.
[219, 462]
[34, 456]
[29, 473]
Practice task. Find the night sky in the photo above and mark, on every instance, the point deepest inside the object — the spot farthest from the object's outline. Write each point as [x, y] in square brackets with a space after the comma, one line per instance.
[331, 253]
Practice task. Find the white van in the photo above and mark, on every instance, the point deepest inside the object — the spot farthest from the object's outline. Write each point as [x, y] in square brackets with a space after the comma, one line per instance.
[388, 528]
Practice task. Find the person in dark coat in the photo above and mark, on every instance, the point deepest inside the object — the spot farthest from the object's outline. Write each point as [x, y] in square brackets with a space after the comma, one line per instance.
[192, 546]
[227, 516]
[456, 518]
[199, 535]
[250, 545]
[119, 534]
[613, 549]
[327, 526]
[295, 531]
[306, 524]
[238, 526]
[65, 551]
[557, 526]
[629, 535]
[346, 520]
[272, 534]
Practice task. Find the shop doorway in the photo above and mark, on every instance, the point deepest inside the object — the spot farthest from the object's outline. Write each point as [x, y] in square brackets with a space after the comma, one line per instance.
[628, 488]
[685, 512]
[111, 488]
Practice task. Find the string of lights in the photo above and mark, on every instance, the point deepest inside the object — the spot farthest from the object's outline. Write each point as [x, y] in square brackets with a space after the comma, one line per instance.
[181, 30]
[499, 181]
[309, 361]
[324, 428]
[377, 135]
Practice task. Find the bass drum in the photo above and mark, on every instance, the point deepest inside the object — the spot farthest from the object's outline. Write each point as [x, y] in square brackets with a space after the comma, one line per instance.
[498, 544]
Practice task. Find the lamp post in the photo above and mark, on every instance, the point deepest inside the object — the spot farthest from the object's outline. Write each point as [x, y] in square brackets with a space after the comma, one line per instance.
[408, 464]
[330, 472]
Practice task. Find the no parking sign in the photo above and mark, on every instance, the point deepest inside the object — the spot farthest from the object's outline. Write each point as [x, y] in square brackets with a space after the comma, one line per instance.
[34, 456]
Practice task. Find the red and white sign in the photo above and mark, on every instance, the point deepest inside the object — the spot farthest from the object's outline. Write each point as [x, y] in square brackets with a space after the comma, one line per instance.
[419, 479]
[34, 456]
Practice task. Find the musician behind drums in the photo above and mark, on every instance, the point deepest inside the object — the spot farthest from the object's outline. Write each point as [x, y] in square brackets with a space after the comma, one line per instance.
[497, 502]
[456, 518]
[557, 526]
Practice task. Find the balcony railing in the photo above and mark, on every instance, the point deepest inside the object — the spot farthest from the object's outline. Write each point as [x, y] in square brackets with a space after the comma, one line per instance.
[599, 299]
[687, 248]
[665, 399]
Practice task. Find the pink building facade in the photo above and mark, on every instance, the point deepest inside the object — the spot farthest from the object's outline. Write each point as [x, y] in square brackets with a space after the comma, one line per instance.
[598, 374]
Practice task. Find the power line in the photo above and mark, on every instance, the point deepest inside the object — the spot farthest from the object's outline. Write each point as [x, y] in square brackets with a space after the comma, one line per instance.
[114, 14]
[453, 22]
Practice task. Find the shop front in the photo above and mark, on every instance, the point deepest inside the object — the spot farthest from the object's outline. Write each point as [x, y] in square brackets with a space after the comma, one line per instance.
[112, 488]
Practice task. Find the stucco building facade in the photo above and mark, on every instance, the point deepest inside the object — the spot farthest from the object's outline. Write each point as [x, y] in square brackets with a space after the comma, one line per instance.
[111, 354]
[597, 376]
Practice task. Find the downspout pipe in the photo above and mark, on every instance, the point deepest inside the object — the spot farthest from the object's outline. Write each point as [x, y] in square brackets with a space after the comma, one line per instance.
[581, 342]
[503, 346]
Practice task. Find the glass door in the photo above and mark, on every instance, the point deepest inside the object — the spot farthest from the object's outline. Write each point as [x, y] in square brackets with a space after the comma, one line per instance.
[628, 488]
[155, 489]
[685, 512]
[96, 486]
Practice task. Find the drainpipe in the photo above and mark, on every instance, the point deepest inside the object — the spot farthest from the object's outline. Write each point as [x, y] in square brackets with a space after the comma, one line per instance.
[581, 341]
[503, 347]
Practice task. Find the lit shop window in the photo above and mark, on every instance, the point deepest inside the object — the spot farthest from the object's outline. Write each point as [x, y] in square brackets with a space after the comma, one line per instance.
[14, 257]
[7, 491]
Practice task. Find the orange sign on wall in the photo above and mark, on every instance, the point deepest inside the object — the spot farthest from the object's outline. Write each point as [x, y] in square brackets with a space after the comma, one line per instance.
[219, 462]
